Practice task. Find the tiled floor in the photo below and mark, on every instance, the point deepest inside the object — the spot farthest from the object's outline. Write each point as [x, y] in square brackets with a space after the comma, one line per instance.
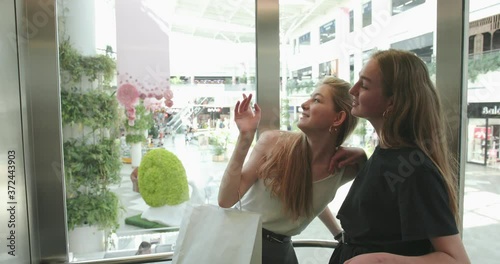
[481, 206]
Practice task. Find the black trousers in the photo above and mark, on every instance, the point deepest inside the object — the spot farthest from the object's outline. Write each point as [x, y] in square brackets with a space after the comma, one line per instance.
[278, 253]
[343, 252]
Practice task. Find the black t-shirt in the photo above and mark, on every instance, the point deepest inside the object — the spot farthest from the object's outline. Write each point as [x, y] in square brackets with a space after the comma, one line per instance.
[397, 203]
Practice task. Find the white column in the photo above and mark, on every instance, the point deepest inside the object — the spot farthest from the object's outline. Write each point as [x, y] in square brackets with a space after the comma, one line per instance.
[79, 24]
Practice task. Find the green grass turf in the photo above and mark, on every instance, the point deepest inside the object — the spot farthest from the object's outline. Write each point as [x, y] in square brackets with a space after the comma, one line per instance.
[136, 220]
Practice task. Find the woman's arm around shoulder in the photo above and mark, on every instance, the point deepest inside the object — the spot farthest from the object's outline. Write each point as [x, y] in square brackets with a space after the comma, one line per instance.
[238, 178]
[353, 159]
[448, 250]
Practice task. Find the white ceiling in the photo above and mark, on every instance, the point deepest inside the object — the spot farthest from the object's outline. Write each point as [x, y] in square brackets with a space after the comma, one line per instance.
[234, 20]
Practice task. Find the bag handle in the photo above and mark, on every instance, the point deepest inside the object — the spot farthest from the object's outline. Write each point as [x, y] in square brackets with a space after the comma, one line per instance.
[239, 199]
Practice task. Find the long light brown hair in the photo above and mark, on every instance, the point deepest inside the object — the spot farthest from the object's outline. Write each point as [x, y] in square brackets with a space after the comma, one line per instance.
[287, 169]
[416, 119]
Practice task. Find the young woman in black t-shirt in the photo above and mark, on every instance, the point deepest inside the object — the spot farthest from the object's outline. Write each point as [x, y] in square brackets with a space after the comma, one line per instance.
[402, 206]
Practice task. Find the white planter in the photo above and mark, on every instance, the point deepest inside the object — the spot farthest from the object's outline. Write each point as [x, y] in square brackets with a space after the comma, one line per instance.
[172, 215]
[74, 131]
[86, 239]
[136, 154]
[105, 133]
[218, 158]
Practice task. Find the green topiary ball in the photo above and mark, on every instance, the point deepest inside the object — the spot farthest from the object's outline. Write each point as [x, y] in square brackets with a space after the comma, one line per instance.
[162, 179]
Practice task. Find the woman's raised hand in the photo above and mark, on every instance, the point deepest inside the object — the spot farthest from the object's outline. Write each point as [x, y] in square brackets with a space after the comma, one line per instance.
[245, 118]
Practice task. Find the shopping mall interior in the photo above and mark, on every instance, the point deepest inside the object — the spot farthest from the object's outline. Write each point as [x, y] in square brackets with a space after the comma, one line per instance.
[95, 87]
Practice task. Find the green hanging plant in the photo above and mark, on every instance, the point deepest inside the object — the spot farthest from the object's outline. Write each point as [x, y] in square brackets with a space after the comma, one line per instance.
[134, 138]
[78, 66]
[101, 209]
[477, 64]
[92, 162]
[285, 112]
[484, 63]
[294, 86]
[89, 169]
[95, 109]
[91, 165]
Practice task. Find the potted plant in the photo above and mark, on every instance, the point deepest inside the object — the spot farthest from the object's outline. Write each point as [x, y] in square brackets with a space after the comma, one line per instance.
[164, 187]
[218, 140]
[137, 133]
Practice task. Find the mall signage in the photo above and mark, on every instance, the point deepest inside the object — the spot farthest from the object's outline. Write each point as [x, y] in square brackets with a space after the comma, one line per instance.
[214, 109]
[491, 110]
[483, 110]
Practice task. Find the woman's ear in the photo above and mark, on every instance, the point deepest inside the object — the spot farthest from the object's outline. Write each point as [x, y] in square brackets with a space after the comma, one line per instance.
[341, 116]
[390, 104]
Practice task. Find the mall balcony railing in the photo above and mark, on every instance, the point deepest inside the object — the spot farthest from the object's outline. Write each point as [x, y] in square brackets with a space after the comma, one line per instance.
[194, 110]
[478, 63]
[228, 87]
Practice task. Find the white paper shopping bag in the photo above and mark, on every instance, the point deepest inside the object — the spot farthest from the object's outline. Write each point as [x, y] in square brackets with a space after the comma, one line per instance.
[210, 234]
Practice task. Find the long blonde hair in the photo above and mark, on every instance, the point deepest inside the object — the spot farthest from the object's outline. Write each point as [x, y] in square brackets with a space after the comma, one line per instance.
[287, 169]
[416, 118]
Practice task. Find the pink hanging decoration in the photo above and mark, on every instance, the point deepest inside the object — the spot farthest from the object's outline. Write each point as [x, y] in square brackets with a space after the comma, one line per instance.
[168, 94]
[156, 95]
[127, 95]
[151, 103]
[131, 115]
[131, 112]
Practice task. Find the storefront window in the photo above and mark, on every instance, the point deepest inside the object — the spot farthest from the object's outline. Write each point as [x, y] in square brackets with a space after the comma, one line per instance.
[482, 170]
[478, 134]
[351, 21]
[484, 133]
[399, 6]
[327, 32]
[367, 13]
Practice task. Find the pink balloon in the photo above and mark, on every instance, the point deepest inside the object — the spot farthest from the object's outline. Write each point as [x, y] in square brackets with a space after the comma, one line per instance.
[149, 102]
[168, 94]
[169, 103]
[127, 95]
[131, 113]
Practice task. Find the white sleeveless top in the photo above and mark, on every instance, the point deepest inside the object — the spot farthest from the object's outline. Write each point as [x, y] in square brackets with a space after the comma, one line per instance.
[259, 199]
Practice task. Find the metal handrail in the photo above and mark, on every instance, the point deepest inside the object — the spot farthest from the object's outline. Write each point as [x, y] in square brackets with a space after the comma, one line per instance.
[314, 243]
[157, 257]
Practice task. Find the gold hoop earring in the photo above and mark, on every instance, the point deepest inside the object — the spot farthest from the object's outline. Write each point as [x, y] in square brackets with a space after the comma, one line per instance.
[334, 129]
[386, 113]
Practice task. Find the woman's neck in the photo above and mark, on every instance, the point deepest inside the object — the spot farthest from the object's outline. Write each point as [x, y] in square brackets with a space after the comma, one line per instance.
[322, 148]
[377, 126]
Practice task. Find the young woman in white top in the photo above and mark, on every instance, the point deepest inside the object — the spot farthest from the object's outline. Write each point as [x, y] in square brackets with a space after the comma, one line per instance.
[287, 178]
